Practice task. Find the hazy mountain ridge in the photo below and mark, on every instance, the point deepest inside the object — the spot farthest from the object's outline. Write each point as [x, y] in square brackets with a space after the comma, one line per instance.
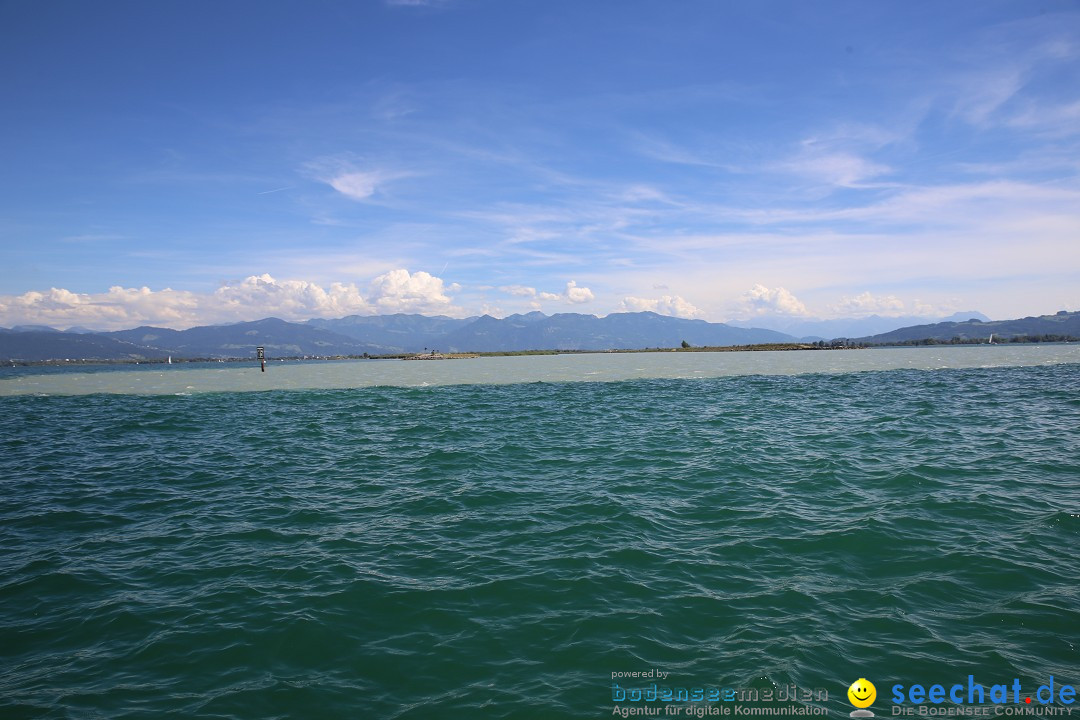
[279, 337]
[404, 333]
[382, 334]
[400, 332]
[40, 345]
[1063, 323]
[575, 331]
[813, 329]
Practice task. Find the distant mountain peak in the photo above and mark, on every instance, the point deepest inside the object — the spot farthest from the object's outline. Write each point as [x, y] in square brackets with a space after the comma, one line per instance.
[966, 315]
[34, 328]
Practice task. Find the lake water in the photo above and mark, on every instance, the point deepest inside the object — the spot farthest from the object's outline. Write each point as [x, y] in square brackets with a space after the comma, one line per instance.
[600, 367]
[494, 538]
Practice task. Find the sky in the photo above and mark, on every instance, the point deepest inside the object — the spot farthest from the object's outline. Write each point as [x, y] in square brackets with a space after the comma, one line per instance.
[189, 163]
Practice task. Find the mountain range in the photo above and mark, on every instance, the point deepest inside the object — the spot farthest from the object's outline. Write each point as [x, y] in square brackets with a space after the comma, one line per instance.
[403, 333]
[1062, 324]
[809, 329]
[537, 331]
[378, 335]
[280, 338]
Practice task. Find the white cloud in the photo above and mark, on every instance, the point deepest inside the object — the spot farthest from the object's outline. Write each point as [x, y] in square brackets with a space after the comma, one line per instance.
[661, 149]
[519, 290]
[867, 304]
[834, 167]
[419, 292]
[356, 185]
[1055, 118]
[289, 298]
[576, 295]
[760, 300]
[255, 297]
[840, 156]
[346, 176]
[1008, 70]
[672, 305]
[118, 308]
[986, 94]
[573, 294]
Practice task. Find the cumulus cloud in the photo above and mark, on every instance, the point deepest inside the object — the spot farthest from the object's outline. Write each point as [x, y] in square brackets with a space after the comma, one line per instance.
[865, 303]
[573, 294]
[255, 297]
[672, 305]
[289, 298]
[760, 300]
[519, 291]
[887, 305]
[398, 291]
[577, 295]
[118, 308]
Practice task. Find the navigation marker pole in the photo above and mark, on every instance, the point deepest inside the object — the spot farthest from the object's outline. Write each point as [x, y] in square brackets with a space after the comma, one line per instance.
[260, 352]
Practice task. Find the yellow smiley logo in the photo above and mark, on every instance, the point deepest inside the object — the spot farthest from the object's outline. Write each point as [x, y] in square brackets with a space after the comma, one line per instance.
[862, 693]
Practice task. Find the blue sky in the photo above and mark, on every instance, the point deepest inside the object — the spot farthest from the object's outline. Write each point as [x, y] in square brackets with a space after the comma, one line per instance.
[183, 163]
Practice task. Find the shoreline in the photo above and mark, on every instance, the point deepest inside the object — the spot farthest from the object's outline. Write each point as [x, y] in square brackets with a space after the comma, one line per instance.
[770, 347]
[766, 347]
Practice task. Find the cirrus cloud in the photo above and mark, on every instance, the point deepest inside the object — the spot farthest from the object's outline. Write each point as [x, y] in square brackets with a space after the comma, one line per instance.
[345, 175]
[356, 185]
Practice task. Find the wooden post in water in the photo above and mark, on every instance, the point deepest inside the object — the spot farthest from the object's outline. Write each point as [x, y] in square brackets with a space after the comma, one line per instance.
[261, 354]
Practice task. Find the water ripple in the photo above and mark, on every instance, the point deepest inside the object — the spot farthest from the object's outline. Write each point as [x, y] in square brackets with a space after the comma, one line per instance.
[497, 551]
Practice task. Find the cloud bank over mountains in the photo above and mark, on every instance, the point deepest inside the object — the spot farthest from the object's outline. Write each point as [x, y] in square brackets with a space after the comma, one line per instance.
[672, 305]
[419, 292]
[255, 297]
[259, 296]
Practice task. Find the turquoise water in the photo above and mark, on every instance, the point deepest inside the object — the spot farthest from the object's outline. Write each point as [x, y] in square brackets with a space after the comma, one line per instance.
[498, 551]
[194, 378]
